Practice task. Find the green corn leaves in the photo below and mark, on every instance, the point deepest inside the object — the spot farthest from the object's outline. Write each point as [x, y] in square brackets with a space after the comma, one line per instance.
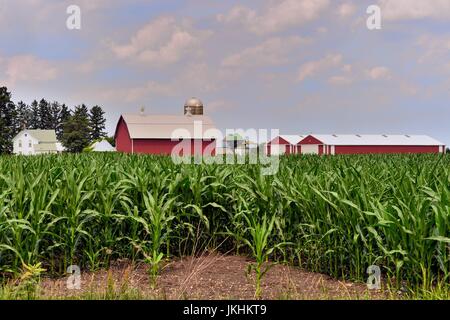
[336, 215]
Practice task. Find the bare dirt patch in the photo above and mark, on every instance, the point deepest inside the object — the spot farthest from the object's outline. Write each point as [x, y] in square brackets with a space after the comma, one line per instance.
[211, 276]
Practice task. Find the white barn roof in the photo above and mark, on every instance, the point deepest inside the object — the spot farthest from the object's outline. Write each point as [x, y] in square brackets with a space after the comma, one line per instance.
[165, 126]
[376, 140]
[292, 139]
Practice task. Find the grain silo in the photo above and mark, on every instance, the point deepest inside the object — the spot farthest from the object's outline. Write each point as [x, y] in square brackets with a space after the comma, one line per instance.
[193, 106]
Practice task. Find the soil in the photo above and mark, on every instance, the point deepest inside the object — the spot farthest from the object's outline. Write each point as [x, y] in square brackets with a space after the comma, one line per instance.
[208, 277]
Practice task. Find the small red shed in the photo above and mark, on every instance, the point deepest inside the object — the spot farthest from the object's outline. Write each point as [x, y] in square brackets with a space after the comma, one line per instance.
[284, 144]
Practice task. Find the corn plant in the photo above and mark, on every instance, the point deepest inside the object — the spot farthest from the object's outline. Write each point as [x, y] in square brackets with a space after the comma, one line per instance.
[159, 216]
[258, 240]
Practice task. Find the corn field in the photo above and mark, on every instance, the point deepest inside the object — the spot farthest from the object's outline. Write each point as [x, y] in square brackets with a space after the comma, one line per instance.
[337, 215]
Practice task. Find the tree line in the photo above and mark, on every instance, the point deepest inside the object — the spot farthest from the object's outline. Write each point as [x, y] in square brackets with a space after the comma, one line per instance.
[75, 128]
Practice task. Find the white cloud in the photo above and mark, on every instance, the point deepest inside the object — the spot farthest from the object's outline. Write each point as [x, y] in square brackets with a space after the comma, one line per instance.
[193, 80]
[27, 68]
[436, 48]
[139, 93]
[312, 68]
[278, 16]
[340, 80]
[346, 10]
[414, 9]
[220, 105]
[379, 73]
[274, 51]
[161, 42]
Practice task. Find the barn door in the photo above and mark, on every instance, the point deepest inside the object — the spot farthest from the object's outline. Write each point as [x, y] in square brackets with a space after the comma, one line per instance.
[310, 149]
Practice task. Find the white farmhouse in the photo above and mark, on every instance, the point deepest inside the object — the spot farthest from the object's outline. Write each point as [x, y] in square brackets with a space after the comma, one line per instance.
[33, 142]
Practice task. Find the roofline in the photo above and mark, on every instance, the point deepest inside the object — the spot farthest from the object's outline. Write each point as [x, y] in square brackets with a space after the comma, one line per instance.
[25, 130]
[117, 127]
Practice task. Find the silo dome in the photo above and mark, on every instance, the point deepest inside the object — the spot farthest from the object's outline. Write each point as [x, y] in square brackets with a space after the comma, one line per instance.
[194, 105]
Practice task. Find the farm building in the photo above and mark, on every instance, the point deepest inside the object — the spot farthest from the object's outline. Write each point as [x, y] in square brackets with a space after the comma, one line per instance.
[33, 142]
[101, 146]
[236, 144]
[284, 144]
[160, 134]
[368, 144]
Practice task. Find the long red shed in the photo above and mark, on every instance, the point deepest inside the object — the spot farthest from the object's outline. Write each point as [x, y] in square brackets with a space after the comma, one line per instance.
[369, 144]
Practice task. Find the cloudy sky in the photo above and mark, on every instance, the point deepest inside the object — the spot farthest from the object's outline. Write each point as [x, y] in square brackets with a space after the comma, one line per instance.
[300, 66]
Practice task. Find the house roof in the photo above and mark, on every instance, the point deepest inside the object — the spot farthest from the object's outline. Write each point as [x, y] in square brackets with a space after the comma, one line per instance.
[41, 135]
[168, 126]
[377, 140]
[44, 147]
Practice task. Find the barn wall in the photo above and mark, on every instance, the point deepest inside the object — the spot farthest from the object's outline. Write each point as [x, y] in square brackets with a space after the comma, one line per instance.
[287, 149]
[123, 141]
[385, 149]
[165, 146]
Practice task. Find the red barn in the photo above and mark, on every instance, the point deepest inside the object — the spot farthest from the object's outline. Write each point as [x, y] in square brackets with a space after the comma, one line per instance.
[369, 144]
[160, 134]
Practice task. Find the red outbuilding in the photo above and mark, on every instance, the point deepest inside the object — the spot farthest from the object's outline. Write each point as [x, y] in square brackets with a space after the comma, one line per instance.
[369, 144]
[284, 144]
[189, 134]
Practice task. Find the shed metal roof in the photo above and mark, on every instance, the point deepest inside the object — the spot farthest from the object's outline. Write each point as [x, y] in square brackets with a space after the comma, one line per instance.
[377, 140]
[293, 139]
[102, 146]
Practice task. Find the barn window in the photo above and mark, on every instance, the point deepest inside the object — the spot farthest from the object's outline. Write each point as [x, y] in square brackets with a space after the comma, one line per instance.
[20, 143]
[29, 144]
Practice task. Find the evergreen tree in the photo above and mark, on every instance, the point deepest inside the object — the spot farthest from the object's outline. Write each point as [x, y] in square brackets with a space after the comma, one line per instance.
[55, 109]
[63, 117]
[23, 114]
[35, 119]
[111, 140]
[97, 121]
[45, 116]
[76, 131]
[7, 121]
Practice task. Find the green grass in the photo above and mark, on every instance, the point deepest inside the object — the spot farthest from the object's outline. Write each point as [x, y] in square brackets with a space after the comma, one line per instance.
[338, 215]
